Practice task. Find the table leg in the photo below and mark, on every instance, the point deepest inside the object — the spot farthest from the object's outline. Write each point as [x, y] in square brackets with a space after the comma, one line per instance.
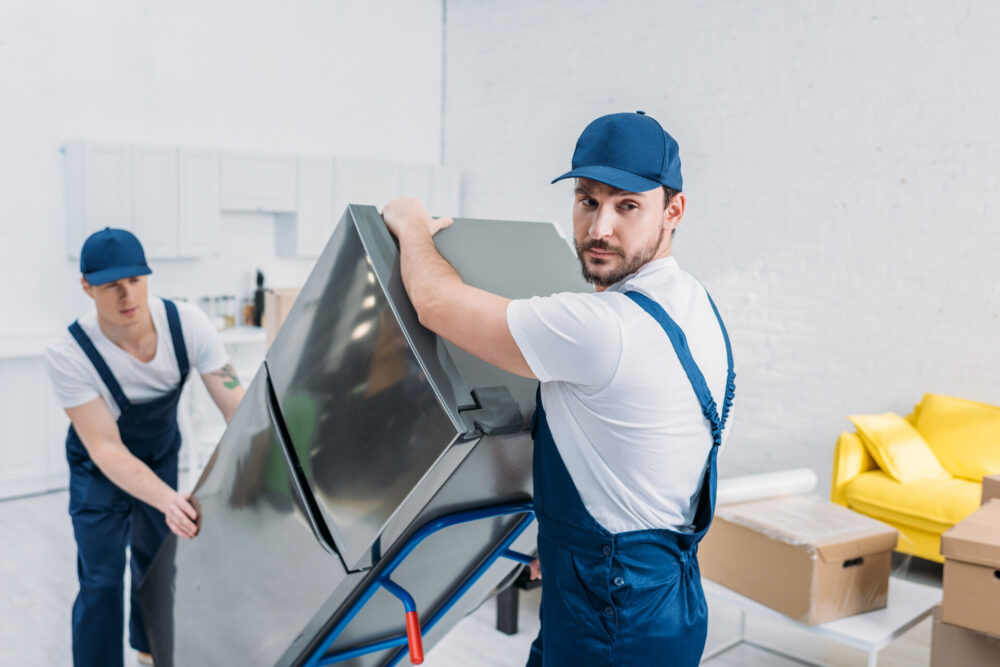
[507, 604]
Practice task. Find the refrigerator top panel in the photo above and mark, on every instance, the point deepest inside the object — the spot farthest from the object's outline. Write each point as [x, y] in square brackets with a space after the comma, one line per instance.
[517, 260]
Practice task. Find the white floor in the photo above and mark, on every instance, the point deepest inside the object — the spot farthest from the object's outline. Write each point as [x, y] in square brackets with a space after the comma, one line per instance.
[38, 584]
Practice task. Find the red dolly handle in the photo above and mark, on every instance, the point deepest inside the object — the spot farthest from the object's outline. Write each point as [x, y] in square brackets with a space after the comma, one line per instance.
[414, 638]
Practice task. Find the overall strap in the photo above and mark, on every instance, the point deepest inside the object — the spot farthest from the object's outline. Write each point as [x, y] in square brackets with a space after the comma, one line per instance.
[97, 360]
[180, 350]
[694, 374]
[727, 403]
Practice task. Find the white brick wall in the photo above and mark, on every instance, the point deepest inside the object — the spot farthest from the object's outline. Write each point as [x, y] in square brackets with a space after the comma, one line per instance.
[841, 164]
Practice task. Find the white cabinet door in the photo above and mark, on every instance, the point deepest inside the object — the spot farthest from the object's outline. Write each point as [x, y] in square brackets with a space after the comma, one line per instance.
[98, 190]
[444, 195]
[57, 424]
[24, 456]
[255, 182]
[305, 234]
[154, 200]
[415, 181]
[198, 201]
[364, 182]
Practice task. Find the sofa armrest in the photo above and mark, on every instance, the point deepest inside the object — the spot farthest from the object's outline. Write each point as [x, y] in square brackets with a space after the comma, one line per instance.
[850, 459]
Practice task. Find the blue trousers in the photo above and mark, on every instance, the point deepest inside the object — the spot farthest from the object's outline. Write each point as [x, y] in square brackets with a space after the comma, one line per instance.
[103, 531]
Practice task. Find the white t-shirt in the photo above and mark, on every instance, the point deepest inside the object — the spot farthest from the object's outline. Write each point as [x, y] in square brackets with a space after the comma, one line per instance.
[621, 409]
[77, 381]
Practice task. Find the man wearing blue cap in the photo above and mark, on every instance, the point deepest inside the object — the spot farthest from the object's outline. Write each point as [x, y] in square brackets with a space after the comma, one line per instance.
[626, 427]
[118, 372]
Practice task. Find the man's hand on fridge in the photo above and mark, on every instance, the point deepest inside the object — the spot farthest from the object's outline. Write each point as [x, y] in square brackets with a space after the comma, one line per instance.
[181, 516]
[408, 215]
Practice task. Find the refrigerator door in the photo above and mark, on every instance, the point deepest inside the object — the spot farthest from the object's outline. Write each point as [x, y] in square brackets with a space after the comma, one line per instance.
[257, 572]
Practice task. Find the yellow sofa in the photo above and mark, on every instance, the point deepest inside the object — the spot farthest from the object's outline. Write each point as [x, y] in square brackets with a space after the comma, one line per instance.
[934, 495]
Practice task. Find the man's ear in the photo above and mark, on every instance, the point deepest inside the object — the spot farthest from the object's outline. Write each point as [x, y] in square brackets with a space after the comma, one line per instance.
[87, 287]
[674, 212]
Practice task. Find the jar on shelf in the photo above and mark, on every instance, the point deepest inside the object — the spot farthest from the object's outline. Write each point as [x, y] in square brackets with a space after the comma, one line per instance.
[229, 311]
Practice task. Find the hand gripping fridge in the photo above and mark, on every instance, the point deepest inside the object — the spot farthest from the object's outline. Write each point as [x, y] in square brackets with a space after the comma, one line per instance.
[374, 486]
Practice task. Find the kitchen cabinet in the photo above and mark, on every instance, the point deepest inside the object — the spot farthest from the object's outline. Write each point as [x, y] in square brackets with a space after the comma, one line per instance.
[328, 186]
[375, 183]
[32, 450]
[166, 196]
[173, 198]
[98, 190]
[415, 181]
[445, 186]
[258, 182]
[198, 201]
[304, 234]
[358, 181]
[154, 200]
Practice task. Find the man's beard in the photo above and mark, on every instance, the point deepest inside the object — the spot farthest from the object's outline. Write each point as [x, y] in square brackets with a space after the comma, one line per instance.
[628, 266]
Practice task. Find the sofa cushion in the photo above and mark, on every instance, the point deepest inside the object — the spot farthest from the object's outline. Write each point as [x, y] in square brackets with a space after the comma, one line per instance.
[934, 505]
[898, 448]
[964, 435]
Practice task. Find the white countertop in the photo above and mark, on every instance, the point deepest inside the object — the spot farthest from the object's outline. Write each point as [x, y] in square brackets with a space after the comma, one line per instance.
[28, 346]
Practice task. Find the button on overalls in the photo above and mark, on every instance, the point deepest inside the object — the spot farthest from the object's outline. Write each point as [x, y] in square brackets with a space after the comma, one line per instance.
[632, 598]
[106, 519]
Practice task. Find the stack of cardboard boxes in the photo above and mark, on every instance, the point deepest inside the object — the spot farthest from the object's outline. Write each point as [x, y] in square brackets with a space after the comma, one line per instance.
[801, 555]
[966, 630]
[991, 488]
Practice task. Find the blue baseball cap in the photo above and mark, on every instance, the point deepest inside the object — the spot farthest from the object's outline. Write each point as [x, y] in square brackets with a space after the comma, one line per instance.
[628, 151]
[112, 254]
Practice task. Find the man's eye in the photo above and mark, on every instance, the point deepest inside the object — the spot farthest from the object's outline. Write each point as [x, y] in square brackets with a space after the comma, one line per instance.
[587, 201]
[629, 206]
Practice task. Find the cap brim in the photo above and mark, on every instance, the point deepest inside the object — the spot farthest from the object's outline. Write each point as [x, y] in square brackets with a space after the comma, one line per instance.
[117, 273]
[616, 178]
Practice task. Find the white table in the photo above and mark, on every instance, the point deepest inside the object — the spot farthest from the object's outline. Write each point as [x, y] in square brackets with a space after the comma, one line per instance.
[909, 603]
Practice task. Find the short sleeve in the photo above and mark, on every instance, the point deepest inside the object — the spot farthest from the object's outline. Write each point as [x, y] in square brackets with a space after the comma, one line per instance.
[71, 380]
[205, 349]
[567, 337]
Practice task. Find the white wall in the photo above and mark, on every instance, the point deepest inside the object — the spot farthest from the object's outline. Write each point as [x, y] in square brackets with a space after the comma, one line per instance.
[338, 77]
[841, 163]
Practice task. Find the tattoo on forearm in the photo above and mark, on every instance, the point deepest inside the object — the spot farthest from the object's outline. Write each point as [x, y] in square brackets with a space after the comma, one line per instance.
[228, 375]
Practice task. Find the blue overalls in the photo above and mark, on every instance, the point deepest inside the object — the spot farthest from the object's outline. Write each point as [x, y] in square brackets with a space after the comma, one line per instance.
[631, 598]
[106, 519]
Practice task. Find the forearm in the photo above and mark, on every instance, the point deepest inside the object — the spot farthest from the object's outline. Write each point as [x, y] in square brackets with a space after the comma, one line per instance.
[224, 387]
[471, 318]
[427, 276]
[132, 475]
[228, 408]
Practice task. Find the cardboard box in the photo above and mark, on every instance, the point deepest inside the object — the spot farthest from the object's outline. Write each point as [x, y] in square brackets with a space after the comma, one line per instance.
[971, 550]
[277, 304]
[801, 555]
[955, 646]
[991, 488]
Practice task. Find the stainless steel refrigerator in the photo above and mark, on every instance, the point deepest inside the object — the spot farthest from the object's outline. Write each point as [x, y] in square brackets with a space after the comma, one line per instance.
[360, 427]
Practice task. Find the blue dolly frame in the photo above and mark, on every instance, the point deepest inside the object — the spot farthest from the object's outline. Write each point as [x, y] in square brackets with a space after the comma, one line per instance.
[414, 632]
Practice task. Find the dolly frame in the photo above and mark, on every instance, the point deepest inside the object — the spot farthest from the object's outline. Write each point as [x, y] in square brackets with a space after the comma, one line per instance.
[413, 637]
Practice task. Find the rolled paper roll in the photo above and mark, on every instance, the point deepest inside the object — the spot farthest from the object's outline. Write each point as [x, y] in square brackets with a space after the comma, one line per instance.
[765, 485]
